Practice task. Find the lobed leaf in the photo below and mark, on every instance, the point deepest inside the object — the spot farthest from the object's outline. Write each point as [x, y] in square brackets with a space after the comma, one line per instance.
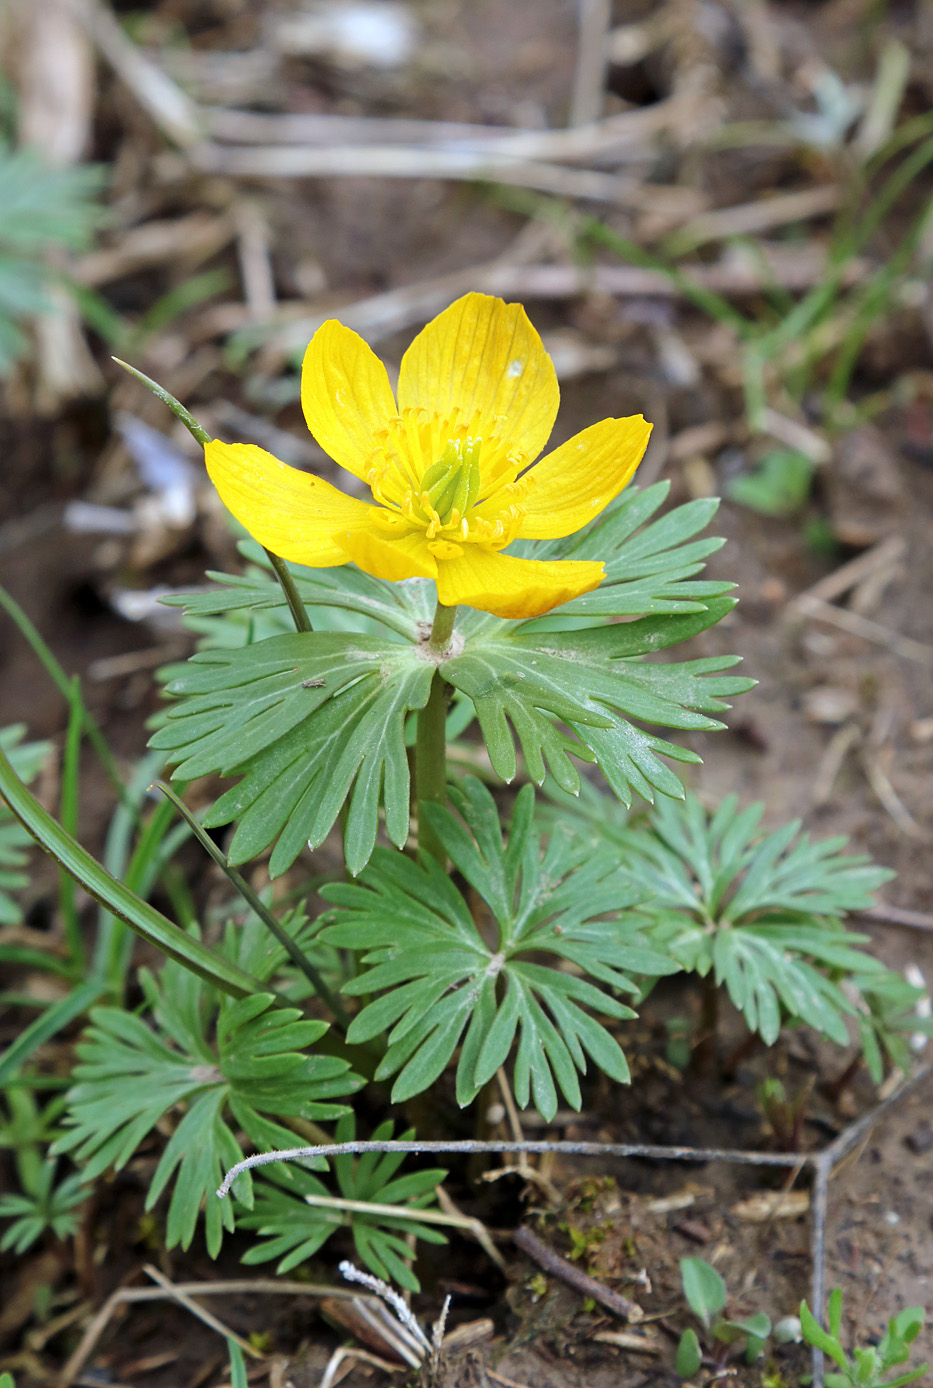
[294, 1230]
[307, 721]
[595, 682]
[434, 981]
[761, 911]
[310, 720]
[231, 1067]
[649, 564]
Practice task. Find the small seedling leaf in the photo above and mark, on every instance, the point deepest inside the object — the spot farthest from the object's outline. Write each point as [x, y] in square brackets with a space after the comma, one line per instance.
[703, 1287]
[815, 1335]
[689, 1356]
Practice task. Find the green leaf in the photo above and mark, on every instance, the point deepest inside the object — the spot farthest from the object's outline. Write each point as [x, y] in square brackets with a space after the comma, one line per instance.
[761, 911]
[903, 1328]
[43, 1207]
[815, 1335]
[889, 1016]
[257, 708]
[594, 681]
[689, 1355]
[649, 566]
[779, 486]
[649, 569]
[910, 1377]
[144, 919]
[302, 719]
[294, 1229]
[48, 1024]
[440, 981]
[756, 1327]
[338, 600]
[229, 1068]
[703, 1287]
[238, 1377]
[41, 207]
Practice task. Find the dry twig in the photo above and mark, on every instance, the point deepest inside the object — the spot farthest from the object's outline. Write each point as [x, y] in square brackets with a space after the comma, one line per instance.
[257, 1286]
[586, 101]
[206, 1317]
[575, 1277]
[395, 310]
[899, 915]
[857, 625]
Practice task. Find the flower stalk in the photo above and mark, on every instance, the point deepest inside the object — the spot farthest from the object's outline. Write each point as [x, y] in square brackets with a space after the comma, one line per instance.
[200, 434]
[256, 904]
[287, 583]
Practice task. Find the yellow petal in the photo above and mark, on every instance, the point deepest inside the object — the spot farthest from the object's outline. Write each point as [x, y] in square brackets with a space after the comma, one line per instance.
[482, 355]
[345, 395]
[573, 484]
[389, 559]
[511, 587]
[292, 513]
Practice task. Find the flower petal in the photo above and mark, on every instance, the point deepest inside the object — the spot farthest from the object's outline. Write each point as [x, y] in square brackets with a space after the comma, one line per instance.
[510, 587]
[345, 395]
[482, 355]
[389, 559]
[574, 483]
[292, 513]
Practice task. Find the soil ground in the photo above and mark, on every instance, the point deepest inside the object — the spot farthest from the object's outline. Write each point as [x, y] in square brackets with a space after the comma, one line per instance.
[838, 732]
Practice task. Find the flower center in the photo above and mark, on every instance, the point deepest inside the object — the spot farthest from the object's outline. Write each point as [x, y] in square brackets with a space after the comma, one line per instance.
[452, 483]
[452, 478]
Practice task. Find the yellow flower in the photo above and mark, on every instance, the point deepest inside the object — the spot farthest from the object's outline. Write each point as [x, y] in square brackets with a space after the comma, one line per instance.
[448, 465]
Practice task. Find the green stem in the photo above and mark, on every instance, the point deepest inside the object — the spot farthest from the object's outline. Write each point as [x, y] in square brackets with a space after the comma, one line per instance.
[442, 628]
[431, 743]
[297, 956]
[287, 581]
[197, 431]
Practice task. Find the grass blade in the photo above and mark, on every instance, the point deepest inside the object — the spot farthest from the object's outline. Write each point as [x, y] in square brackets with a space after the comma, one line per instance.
[149, 923]
[45, 1026]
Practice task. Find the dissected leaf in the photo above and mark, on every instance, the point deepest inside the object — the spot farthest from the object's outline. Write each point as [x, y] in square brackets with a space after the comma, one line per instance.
[306, 720]
[41, 206]
[42, 1207]
[761, 911]
[341, 600]
[443, 982]
[595, 682]
[311, 720]
[229, 1066]
[294, 1230]
[650, 565]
